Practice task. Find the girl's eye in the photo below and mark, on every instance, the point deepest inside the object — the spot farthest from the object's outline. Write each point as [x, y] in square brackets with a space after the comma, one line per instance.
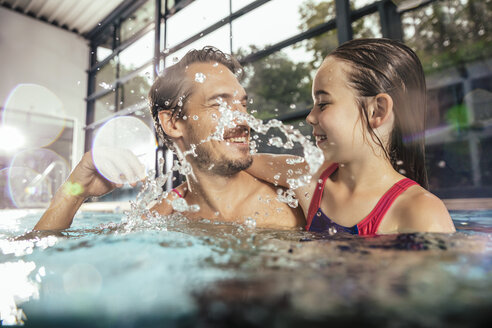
[322, 106]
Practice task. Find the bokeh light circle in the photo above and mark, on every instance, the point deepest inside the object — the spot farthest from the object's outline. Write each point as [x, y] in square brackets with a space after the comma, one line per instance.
[117, 145]
[34, 176]
[34, 112]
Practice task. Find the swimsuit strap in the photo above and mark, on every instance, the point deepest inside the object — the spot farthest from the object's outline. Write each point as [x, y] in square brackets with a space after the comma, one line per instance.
[318, 193]
[370, 224]
[177, 192]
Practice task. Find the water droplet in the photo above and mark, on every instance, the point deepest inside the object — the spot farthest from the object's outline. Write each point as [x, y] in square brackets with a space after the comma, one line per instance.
[402, 171]
[399, 162]
[318, 214]
[166, 51]
[175, 60]
[166, 103]
[78, 82]
[132, 91]
[185, 117]
[251, 101]
[215, 64]
[292, 106]
[250, 223]
[275, 110]
[195, 117]
[200, 77]
[441, 164]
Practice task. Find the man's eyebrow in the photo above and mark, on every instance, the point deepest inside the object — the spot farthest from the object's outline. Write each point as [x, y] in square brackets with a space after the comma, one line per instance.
[224, 96]
[219, 95]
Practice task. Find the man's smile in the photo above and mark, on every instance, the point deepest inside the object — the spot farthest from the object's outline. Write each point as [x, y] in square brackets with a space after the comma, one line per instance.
[237, 135]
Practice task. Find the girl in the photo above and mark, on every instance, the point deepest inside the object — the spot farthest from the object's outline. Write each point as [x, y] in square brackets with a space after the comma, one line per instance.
[368, 119]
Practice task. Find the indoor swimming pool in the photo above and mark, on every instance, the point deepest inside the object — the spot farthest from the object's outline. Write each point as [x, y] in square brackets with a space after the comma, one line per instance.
[106, 271]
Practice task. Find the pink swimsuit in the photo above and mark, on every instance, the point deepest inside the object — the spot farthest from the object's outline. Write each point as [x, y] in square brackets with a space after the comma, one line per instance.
[318, 221]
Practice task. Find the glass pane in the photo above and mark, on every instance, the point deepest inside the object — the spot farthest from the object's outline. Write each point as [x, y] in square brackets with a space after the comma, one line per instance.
[486, 161]
[104, 106]
[367, 27]
[105, 47]
[451, 41]
[106, 75]
[281, 83]
[138, 20]
[219, 38]
[356, 4]
[278, 20]
[103, 53]
[197, 16]
[238, 4]
[137, 54]
[135, 90]
[449, 165]
[449, 33]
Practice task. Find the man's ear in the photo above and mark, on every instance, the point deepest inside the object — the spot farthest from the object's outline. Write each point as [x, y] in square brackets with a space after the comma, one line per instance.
[168, 123]
[381, 110]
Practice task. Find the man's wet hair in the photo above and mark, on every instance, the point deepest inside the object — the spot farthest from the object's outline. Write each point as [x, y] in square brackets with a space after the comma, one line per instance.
[172, 88]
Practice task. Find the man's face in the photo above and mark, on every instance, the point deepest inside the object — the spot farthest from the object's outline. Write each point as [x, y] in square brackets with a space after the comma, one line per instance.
[213, 83]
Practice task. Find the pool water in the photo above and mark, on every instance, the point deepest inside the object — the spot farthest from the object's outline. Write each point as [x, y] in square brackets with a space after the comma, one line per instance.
[172, 272]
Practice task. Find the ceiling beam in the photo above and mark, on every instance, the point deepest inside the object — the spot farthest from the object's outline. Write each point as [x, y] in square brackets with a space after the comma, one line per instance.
[40, 10]
[57, 10]
[29, 6]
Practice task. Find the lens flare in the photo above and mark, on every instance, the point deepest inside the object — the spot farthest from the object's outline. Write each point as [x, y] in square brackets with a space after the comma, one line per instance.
[121, 147]
[36, 113]
[34, 176]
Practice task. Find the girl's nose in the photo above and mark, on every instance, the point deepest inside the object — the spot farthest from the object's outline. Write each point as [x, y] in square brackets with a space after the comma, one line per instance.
[311, 118]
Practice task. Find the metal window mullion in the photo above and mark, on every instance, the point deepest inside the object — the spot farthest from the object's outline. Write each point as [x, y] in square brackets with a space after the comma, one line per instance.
[116, 85]
[90, 106]
[230, 26]
[122, 46]
[157, 37]
[390, 20]
[214, 26]
[343, 19]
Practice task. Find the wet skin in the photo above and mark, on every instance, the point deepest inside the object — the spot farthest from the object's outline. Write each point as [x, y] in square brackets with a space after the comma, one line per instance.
[219, 184]
[364, 174]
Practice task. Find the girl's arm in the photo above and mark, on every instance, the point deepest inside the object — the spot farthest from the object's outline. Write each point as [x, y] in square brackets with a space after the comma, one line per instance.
[278, 169]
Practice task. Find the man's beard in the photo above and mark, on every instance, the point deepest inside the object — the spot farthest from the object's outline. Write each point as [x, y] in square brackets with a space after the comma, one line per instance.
[219, 166]
[216, 166]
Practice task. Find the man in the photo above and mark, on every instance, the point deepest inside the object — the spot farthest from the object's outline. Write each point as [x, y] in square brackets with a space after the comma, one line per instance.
[185, 106]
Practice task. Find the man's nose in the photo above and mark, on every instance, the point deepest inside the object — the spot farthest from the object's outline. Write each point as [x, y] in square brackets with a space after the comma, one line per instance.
[238, 105]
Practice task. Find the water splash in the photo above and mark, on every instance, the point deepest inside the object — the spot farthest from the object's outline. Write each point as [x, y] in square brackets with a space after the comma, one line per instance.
[200, 77]
[152, 189]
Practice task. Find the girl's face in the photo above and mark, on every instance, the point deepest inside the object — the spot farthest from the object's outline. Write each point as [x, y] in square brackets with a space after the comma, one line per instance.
[337, 126]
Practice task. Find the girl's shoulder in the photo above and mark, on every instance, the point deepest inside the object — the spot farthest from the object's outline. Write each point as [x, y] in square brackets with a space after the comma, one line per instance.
[418, 210]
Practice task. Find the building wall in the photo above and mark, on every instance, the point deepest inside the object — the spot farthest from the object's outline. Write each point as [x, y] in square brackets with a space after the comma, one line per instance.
[32, 51]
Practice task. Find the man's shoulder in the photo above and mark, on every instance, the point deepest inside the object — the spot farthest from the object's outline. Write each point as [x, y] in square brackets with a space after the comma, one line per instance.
[164, 207]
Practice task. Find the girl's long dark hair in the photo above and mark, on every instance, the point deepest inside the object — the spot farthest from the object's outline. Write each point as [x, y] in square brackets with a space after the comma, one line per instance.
[388, 66]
